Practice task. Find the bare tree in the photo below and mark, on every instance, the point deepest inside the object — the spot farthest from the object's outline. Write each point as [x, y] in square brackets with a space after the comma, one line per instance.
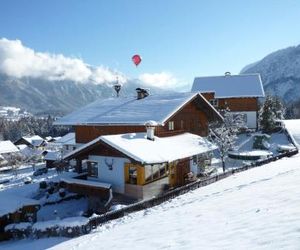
[224, 133]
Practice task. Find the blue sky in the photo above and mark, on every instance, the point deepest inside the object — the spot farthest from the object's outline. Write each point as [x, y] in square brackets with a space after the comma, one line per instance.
[183, 38]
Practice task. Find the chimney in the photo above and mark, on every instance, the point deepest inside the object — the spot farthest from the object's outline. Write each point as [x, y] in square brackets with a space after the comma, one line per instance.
[141, 93]
[150, 127]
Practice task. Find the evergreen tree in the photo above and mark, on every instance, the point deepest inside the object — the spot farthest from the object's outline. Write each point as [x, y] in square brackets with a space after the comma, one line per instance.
[271, 111]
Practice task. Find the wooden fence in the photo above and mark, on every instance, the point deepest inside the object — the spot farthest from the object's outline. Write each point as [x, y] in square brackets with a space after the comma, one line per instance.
[104, 218]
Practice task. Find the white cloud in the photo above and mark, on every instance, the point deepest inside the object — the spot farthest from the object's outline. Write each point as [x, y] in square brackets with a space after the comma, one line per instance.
[19, 61]
[163, 80]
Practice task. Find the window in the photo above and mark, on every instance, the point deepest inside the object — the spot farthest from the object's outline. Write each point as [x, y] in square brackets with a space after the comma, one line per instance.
[74, 148]
[155, 171]
[202, 160]
[92, 168]
[171, 125]
[214, 102]
[133, 175]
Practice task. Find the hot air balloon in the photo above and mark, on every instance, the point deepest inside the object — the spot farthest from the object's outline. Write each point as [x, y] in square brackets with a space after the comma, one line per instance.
[136, 59]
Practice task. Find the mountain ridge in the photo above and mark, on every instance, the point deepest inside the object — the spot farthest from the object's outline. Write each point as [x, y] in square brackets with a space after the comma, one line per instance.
[40, 96]
[280, 73]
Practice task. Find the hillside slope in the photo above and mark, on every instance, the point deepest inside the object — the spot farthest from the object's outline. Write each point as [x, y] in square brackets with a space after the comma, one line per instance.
[256, 209]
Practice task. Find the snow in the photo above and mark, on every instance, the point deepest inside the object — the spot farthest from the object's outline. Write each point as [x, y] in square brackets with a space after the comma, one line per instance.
[293, 127]
[86, 182]
[67, 222]
[68, 139]
[52, 155]
[129, 110]
[70, 208]
[245, 85]
[34, 140]
[255, 209]
[25, 150]
[285, 147]
[31, 244]
[164, 149]
[261, 153]
[11, 203]
[19, 226]
[7, 147]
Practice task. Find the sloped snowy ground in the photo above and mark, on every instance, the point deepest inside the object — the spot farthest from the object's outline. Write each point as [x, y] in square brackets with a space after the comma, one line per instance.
[256, 209]
[23, 172]
[293, 126]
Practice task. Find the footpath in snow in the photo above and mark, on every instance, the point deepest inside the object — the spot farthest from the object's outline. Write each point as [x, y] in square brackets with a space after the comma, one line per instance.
[255, 209]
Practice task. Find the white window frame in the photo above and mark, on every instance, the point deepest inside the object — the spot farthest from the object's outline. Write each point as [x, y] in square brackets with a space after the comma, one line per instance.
[171, 125]
[214, 102]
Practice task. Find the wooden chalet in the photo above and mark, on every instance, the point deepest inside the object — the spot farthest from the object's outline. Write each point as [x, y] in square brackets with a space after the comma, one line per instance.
[178, 118]
[173, 113]
[34, 141]
[239, 93]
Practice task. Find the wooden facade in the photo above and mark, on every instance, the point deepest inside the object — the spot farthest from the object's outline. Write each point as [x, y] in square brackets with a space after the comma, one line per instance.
[235, 104]
[239, 104]
[189, 119]
[84, 134]
[193, 117]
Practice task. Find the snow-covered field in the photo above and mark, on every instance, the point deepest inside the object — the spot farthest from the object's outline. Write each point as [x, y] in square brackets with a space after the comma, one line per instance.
[256, 209]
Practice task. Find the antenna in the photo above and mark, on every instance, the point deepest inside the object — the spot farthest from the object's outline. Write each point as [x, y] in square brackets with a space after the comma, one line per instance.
[117, 87]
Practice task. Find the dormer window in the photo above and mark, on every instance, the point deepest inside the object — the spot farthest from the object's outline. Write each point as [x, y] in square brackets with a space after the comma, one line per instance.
[214, 102]
[171, 125]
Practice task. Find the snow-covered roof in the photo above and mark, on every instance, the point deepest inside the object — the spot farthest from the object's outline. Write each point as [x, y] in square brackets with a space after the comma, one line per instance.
[34, 140]
[164, 149]
[12, 203]
[52, 155]
[226, 86]
[67, 139]
[86, 182]
[129, 110]
[7, 147]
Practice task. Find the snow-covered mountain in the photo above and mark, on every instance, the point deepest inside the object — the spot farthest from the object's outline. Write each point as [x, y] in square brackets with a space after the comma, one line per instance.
[280, 72]
[57, 97]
